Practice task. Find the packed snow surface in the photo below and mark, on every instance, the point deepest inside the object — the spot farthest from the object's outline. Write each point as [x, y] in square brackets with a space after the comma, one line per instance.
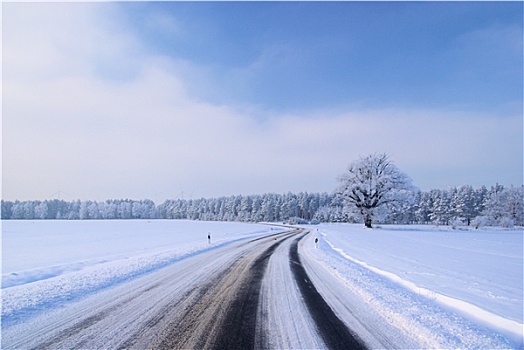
[438, 286]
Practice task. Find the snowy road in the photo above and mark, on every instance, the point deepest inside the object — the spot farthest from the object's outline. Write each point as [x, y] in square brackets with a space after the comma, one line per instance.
[230, 297]
[128, 285]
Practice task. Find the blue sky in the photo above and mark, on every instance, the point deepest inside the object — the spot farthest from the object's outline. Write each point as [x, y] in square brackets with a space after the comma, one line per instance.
[148, 100]
[320, 55]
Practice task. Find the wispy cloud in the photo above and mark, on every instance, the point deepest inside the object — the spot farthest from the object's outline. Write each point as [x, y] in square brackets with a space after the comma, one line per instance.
[89, 110]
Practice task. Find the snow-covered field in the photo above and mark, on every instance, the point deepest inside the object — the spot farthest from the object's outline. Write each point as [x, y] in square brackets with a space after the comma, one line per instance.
[48, 262]
[477, 274]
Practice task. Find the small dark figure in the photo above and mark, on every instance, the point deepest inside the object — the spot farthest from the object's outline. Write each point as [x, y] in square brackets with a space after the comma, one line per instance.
[316, 242]
[208, 238]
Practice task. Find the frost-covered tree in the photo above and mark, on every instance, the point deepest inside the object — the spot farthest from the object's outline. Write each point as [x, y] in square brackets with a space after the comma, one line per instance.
[498, 206]
[246, 205]
[401, 211]
[493, 206]
[268, 208]
[303, 205]
[29, 210]
[83, 212]
[422, 208]
[41, 211]
[256, 214]
[93, 211]
[441, 213]
[465, 204]
[503, 206]
[7, 210]
[513, 199]
[17, 211]
[371, 182]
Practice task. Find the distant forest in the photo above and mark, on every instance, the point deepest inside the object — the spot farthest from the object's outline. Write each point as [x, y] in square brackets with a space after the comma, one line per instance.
[496, 206]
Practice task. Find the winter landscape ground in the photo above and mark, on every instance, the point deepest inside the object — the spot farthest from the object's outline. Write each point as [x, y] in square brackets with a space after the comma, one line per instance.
[67, 283]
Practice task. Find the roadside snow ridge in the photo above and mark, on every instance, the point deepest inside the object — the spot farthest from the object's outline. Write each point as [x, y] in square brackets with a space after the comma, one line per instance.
[493, 320]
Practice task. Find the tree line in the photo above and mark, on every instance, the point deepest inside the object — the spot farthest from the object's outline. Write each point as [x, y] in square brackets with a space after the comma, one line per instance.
[57, 209]
[464, 205]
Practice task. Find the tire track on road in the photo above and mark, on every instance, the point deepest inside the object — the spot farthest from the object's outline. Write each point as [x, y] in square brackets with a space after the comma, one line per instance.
[209, 302]
[332, 330]
[185, 305]
[242, 315]
[225, 314]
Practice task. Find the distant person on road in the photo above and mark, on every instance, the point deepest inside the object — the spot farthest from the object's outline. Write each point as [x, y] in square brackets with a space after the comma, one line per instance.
[316, 242]
[209, 238]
